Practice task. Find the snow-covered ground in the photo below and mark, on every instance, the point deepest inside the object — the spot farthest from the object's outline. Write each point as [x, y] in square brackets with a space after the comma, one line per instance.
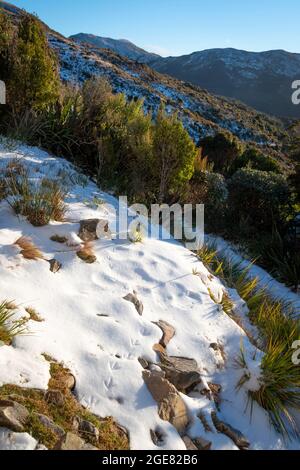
[99, 336]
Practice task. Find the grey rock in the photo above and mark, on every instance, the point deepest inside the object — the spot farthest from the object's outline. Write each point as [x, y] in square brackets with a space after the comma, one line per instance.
[86, 428]
[168, 332]
[189, 443]
[55, 265]
[92, 229]
[182, 372]
[144, 363]
[236, 436]
[13, 415]
[136, 302]
[171, 407]
[202, 444]
[70, 441]
[49, 424]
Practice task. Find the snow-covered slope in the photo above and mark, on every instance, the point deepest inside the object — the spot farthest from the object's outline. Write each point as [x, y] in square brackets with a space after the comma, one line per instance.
[100, 336]
[120, 46]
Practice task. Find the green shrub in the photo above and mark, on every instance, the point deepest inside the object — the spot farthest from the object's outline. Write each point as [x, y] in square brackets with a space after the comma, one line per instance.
[263, 198]
[222, 150]
[211, 190]
[256, 160]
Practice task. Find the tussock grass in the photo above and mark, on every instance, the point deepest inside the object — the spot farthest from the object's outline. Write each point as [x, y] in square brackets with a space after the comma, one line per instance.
[40, 202]
[9, 326]
[28, 249]
[278, 328]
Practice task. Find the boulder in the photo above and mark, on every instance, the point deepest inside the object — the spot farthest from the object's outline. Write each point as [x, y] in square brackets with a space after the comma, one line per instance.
[182, 372]
[13, 415]
[136, 302]
[171, 406]
[93, 229]
[236, 436]
[168, 332]
[85, 427]
[71, 441]
[202, 444]
[49, 424]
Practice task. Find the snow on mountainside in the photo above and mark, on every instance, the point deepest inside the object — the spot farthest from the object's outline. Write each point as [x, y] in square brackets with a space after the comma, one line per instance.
[260, 79]
[120, 46]
[100, 336]
[201, 112]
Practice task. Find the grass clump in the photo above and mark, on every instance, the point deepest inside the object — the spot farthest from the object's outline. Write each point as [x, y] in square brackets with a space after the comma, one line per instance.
[40, 202]
[9, 326]
[28, 249]
[278, 327]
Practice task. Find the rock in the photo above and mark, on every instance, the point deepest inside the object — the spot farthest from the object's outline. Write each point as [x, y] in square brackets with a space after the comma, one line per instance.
[68, 381]
[49, 424]
[55, 265]
[88, 446]
[182, 372]
[214, 346]
[157, 437]
[70, 441]
[236, 436]
[93, 229]
[171, 407]
[168, 332]
[136, 302]
[202, 444]
[189, 443]
[204, 422]
[86, 428]
[13, 415]
[86, 257]
[144, 363]
[55, 397]
[159, 349]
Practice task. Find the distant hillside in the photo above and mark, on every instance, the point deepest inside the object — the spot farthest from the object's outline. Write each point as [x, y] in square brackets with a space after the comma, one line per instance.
[202, 113]
[120, 46]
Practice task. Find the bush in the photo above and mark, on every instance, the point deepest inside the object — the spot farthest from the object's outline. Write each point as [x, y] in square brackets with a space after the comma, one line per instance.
[256, 160]
[222, 150]
[174, 155]
[260, 197]
[211, 190]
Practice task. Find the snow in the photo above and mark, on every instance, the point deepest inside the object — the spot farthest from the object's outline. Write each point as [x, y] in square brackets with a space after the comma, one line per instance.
[16, 441]
[99, 336]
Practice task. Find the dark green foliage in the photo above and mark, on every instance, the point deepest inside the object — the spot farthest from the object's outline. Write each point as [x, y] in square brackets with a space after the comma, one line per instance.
[263, 198]
[222, 150]
[256, 160]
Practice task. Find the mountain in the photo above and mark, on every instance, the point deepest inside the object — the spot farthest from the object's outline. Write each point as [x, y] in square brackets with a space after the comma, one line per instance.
[261, 80]
[120, 46]
[201, 112]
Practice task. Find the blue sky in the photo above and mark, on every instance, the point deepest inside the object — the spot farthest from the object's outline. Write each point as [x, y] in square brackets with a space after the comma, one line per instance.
[176, 27]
